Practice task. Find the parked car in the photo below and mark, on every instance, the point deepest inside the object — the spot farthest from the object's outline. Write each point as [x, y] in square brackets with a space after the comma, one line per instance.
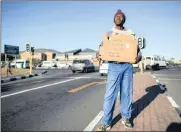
[39, 65]
[103, 70]
[82, 66]
[48, 64]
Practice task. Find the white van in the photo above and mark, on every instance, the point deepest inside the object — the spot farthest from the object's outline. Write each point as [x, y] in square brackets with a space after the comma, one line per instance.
[19, 63]
[154, 62]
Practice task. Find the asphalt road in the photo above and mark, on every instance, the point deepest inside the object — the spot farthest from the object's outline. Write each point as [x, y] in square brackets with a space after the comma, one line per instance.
[45, 103]
[171, 78]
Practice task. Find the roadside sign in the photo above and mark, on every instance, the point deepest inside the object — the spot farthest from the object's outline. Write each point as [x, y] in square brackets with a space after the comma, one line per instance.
[13, 50]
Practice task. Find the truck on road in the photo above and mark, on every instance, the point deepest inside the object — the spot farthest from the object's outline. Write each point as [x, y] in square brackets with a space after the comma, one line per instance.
[154, 62]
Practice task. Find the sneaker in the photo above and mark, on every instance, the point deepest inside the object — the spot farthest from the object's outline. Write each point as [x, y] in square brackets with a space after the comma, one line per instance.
[104, 128]
[127, 124]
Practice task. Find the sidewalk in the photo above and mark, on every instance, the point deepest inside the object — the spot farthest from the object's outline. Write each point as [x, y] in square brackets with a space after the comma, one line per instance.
[22, 76]
[16, 74]
[152, 110]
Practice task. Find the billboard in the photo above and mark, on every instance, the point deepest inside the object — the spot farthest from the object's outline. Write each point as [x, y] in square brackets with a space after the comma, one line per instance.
[13, 50]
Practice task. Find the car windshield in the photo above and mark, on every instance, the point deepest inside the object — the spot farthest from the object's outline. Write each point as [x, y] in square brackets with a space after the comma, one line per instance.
[78, 61]
[155, 58]
[148, 58]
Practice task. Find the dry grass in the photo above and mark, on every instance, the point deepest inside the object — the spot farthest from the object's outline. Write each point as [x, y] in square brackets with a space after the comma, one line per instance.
[14, 71]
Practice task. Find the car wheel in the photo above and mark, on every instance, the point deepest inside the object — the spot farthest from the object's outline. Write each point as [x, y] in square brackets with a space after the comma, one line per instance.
[158, 67]
[154, 68]
[93, 69]
[102, 74]
[73, 71]
[86, 70]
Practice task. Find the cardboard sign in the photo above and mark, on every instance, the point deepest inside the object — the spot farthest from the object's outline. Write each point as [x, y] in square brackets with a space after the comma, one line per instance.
[121, 48]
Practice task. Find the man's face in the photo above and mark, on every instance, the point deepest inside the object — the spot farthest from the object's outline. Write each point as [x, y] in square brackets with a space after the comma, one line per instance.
[118, 19]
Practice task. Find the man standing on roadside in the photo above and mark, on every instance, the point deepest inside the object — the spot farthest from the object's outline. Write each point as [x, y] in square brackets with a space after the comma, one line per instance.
[120, 78]
[8, 65]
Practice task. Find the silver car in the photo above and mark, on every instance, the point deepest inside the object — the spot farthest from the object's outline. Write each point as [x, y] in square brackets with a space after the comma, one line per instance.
[82, 66]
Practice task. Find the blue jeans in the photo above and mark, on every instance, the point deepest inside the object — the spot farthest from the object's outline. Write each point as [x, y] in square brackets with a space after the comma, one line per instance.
[120, 79]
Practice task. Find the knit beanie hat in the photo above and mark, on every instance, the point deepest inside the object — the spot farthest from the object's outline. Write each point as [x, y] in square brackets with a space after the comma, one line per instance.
[120, 12]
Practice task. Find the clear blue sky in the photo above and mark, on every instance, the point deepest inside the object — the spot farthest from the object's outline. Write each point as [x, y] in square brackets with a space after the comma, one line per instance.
[71, 25]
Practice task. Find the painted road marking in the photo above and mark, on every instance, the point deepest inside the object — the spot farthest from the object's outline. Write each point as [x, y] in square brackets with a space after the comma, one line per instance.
[168, 79]
[153, 76]
[95, 77]
[94, 122]
[157, 81]
[174, 104]
[85, 86]
[166, 75]
[32, 89]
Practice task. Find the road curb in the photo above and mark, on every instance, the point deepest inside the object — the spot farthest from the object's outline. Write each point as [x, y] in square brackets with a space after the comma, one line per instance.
[54, 68]
[22, 77]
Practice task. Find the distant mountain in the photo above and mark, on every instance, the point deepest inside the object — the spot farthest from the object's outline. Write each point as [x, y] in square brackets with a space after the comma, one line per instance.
[72, 51]
[45, 50]
[88, 50]
[42, 50]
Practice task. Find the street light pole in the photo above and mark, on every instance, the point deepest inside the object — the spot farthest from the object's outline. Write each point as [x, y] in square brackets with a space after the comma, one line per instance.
[30, 59]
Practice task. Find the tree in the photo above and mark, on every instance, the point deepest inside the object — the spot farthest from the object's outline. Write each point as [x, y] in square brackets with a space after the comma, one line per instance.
[172, 59]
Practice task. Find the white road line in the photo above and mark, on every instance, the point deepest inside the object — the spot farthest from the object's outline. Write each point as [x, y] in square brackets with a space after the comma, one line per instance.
[153, 76]
[168, 79]
[174, 104]
[157, 81]
[95, 77]
[16, 93]
[167, 75]
[94, 122]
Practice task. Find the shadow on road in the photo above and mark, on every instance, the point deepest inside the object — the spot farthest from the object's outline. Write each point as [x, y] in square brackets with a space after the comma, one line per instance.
[174, 127]
[142, 103]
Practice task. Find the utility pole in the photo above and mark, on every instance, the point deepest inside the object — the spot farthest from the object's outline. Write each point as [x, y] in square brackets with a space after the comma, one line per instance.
[29, 50]
[31, 59]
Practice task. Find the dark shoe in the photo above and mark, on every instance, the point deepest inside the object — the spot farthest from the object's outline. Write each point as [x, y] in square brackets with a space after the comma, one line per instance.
[104, 128]
[127, 124]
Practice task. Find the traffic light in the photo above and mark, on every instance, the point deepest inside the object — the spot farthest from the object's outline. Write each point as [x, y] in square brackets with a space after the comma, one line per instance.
[28, 47]
[32, 50]
[141, 42]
